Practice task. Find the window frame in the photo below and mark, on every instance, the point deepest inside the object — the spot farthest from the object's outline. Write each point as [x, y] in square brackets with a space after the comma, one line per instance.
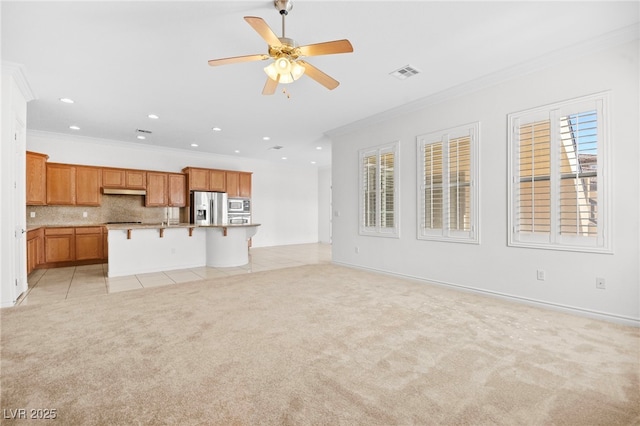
[378, 229]
[445, 137]
[555, 240]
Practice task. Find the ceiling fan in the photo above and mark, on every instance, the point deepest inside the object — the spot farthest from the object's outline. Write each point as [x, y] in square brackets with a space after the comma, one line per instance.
[287, 65]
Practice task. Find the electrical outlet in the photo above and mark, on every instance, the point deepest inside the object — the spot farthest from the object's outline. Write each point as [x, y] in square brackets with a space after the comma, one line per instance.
[357, 249]
[32, 214]
[541, 275]
[84, 214]
[600, 283]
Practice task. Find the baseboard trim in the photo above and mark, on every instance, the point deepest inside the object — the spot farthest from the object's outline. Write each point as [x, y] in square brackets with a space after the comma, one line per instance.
[618, 319]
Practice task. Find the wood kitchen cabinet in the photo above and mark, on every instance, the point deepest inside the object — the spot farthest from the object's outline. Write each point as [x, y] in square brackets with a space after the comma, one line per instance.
[114, 178]
[205, 179]
[124, 178]
[238, 184]
[136, 179]
[61, 184]
[59, 245]
[157, 192]
[89, 244]
[197, 179]
[166, 189]
[88, 184]
[36, 178]
[35, 249]
[69, 185]
[244, 185]
[217, 181]
[177, 189]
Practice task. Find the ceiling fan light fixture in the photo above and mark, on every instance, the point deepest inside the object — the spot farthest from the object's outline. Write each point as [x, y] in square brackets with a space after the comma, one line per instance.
[289, 71]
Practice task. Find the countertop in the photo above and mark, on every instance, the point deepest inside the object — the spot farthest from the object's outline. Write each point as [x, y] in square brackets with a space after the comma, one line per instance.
[116, 226]
[178, 225]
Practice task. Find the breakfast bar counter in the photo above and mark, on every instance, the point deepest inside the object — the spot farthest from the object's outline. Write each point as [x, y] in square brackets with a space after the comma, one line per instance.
[145, 248]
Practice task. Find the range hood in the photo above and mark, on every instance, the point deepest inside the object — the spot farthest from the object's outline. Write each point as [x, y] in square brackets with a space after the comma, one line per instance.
[123, 191]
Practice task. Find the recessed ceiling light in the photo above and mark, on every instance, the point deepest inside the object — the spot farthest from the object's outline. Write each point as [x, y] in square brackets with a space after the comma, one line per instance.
[313, 162]
[318, 148]
[237, 151]
[74, 127]
[266, 138]
[284, 158]
[216, 129]
[141, 137]
[66, 100]
[194, 145]
[153, 116]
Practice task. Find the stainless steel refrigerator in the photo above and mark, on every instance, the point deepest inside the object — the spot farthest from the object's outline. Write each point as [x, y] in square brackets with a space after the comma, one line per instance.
[208, 208]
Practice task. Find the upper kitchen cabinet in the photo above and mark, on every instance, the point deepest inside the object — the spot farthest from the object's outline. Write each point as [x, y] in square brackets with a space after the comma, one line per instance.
[123, 178]
[61, 184]
[88, 183]
[36, 178]
[197, 179]
[177, 190]
[156, 190]
[238, 184]
[166, 189]
[69, 185]
[217, 181]
[136, 179]
[205, 179]
[114, 178]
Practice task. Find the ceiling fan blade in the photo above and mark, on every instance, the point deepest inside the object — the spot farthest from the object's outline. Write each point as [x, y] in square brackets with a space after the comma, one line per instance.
[327, 48]
[238, 59]
[319, 76]
[270, 86]
[264, 30]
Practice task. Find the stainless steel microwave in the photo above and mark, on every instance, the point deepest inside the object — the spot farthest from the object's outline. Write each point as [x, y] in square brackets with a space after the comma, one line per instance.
[238, 205]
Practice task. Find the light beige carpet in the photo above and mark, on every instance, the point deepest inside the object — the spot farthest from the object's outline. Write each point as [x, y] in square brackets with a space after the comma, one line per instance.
[315, 345]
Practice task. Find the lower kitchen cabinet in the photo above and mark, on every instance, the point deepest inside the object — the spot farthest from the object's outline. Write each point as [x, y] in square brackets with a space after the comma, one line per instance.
[59, 245]
[89, 243]
[67, 246]
[35, 249]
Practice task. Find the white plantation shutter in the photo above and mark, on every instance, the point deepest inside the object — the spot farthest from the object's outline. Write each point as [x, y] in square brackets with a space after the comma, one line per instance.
[447, 190]
[378, 190]
[557, 190]
[369, 171]
[578, 203]
[432, 183]
[533, 185]
[460, 184]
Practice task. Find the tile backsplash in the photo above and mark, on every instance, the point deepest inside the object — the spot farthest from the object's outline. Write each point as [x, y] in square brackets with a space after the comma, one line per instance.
[114, 208]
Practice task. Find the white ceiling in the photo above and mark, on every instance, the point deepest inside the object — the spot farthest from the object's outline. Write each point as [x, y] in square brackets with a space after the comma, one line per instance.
[121, 61]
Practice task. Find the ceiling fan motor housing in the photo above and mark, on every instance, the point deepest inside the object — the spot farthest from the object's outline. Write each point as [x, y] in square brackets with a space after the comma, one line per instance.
[283, 6]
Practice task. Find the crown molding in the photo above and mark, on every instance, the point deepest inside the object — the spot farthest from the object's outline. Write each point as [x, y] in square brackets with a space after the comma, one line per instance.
[17, 72]
[608, 40]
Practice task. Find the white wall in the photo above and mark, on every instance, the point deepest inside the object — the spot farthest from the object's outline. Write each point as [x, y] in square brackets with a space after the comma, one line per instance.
[324, 205]
[491, 266]
[284, 197]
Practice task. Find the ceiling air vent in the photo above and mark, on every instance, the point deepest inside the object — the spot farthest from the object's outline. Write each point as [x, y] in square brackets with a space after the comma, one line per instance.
[405, 72]
[277, 147]
[143, 131]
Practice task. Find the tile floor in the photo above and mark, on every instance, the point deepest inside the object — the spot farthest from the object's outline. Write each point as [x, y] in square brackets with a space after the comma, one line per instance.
[51, 285]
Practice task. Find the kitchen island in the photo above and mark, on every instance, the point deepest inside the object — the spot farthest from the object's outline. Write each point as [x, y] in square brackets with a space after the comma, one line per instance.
[144, 248]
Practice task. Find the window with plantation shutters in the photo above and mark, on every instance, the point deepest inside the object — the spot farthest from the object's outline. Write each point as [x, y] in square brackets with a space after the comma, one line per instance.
[447, 189]
[558, 196]
[378, 193]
